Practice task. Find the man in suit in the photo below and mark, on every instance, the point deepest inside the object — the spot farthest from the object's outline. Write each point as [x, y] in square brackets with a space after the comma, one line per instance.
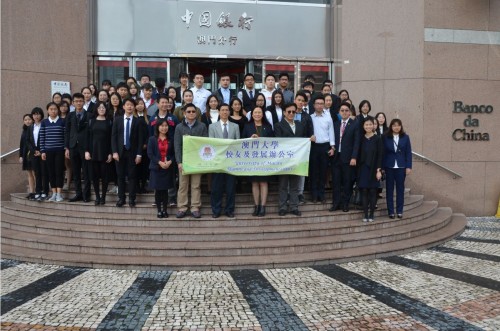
[304, 118]
[223, 93]
[184, 81]
[347, 140]
[223, 129]
[126, 145]
[75, 145]
[288, 127]
[248, 94]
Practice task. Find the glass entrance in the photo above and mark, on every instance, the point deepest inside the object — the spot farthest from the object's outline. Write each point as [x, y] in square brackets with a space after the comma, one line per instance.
[211, 69]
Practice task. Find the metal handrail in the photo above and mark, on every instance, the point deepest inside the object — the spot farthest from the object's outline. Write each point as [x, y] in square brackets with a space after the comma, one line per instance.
[455, 174]
[8, 153]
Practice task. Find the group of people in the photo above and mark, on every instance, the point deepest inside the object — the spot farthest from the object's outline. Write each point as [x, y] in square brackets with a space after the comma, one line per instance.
[131, 134]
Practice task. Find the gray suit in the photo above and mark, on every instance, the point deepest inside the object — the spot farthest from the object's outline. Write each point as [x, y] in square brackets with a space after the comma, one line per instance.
[215, 130]
[222, 181]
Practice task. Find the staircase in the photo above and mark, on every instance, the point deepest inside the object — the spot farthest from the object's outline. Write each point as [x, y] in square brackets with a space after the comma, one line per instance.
[81, 234]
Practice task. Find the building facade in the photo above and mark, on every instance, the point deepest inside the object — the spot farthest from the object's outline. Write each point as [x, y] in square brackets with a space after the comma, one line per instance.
[435, 64]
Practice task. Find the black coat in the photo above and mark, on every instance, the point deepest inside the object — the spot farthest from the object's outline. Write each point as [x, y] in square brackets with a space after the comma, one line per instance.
[350, 141]
[249, 130]
[76, 131]
[283, 129]
[117, 136]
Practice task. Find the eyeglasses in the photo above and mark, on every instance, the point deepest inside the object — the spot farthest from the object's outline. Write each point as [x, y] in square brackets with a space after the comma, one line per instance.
[290, 111]
[190, 111]
[345, 110]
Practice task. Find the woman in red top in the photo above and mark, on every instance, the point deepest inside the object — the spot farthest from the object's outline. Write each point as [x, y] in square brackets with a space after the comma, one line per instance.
[161, 155]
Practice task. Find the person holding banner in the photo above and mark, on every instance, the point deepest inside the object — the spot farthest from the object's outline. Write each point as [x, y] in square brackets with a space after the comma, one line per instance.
[288, 127]
[258, 126]
[223, 129]
[192, 127]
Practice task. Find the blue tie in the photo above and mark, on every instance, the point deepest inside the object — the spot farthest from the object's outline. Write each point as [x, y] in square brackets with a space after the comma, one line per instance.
[127, 135]
[251, 94]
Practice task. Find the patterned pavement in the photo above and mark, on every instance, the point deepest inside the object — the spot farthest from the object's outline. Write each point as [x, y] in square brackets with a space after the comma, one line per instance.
[455, 286]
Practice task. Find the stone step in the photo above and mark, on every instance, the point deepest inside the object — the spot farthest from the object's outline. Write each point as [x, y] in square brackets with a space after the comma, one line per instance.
[225, 247]
[205, 196]
[156, 231]
[80, 209]
[450, 230]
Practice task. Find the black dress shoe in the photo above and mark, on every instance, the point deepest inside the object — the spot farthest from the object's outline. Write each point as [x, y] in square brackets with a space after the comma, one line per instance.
[131, 203]
[102, 201]
[76, 198]
[256, 210]
[159, 214]
[345, 209]
[230, 214]
[165, 214]
[97, 202]
[296, 212]
[334, 208]
[282, 212]
[400, 215]
[215, 215]
[262, 211]
[86, 200]
[391, 216]
[120, 203]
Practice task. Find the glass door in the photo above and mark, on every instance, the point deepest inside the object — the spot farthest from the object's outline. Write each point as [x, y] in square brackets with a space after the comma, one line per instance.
[318, 71]
[153, 67]
[276, 68]
[115, 69]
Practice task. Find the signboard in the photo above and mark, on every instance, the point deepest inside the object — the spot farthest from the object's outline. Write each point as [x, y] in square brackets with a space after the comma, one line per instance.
[59, 86]
[246, 157]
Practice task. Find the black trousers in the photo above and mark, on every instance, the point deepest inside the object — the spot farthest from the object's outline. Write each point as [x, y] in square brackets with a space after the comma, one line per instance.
[223, 183]
[342, 177]
[99, 171]
[161, 200]
[55, 166]
[125, 166]
[318, 162]
[79, 165]
[369, 200]
[41, 175]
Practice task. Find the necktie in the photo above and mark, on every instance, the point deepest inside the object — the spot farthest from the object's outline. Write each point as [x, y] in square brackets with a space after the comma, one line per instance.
[251, 94]
[225, 134]
[127, 134]
[79, 117]
[342, 129]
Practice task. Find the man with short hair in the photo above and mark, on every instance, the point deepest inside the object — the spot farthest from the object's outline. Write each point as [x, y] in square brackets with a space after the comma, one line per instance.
[200, 94]
[123, 90]
[283, 87]
[288, 127]
[184, 81]
[269, 82]
[248, 93]
[160, 87]
[347, 143]
[126, 146]
[223, 129]
[335, 99]
[145, 79]
[106, 84]
[188, 127]
[147, 96]
[303, 117]
[322, 147]
[223, 93]
[75, 143]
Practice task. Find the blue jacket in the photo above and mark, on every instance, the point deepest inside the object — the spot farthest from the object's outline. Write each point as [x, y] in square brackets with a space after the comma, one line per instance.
[402, 155]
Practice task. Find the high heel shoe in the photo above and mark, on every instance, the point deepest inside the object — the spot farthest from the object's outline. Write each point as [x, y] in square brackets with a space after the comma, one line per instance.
[262, 211]
[256, 210]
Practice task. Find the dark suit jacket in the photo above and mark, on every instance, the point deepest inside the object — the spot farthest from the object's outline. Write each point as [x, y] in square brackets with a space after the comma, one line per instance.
[154, 153]
[249, 130]
[371, 157]
[118, 139]
[76, 131]
[283, 129]
[307, 122]
[350, 141]
[220, 97]
[274, 114]
[178, 94]
[402, 155]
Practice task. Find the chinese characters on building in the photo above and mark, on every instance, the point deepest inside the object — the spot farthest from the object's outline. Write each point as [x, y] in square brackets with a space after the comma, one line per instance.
[223, 21]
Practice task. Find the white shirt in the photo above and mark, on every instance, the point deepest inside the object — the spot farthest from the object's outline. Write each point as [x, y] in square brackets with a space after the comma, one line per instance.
[86, 105]
[214, 115]
[36, 131]
[269, 96]
[240, 93]
[125, 128]
[53, 120]
[395, 137]
[226, 94]
[323, 129]
[200, 97]
[292, 126]
[148, 103]
[279, 112]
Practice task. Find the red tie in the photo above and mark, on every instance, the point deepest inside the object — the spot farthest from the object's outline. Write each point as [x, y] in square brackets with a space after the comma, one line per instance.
[342, 129]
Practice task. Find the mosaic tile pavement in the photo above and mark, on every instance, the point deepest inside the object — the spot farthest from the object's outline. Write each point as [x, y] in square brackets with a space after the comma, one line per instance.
[455, 286]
